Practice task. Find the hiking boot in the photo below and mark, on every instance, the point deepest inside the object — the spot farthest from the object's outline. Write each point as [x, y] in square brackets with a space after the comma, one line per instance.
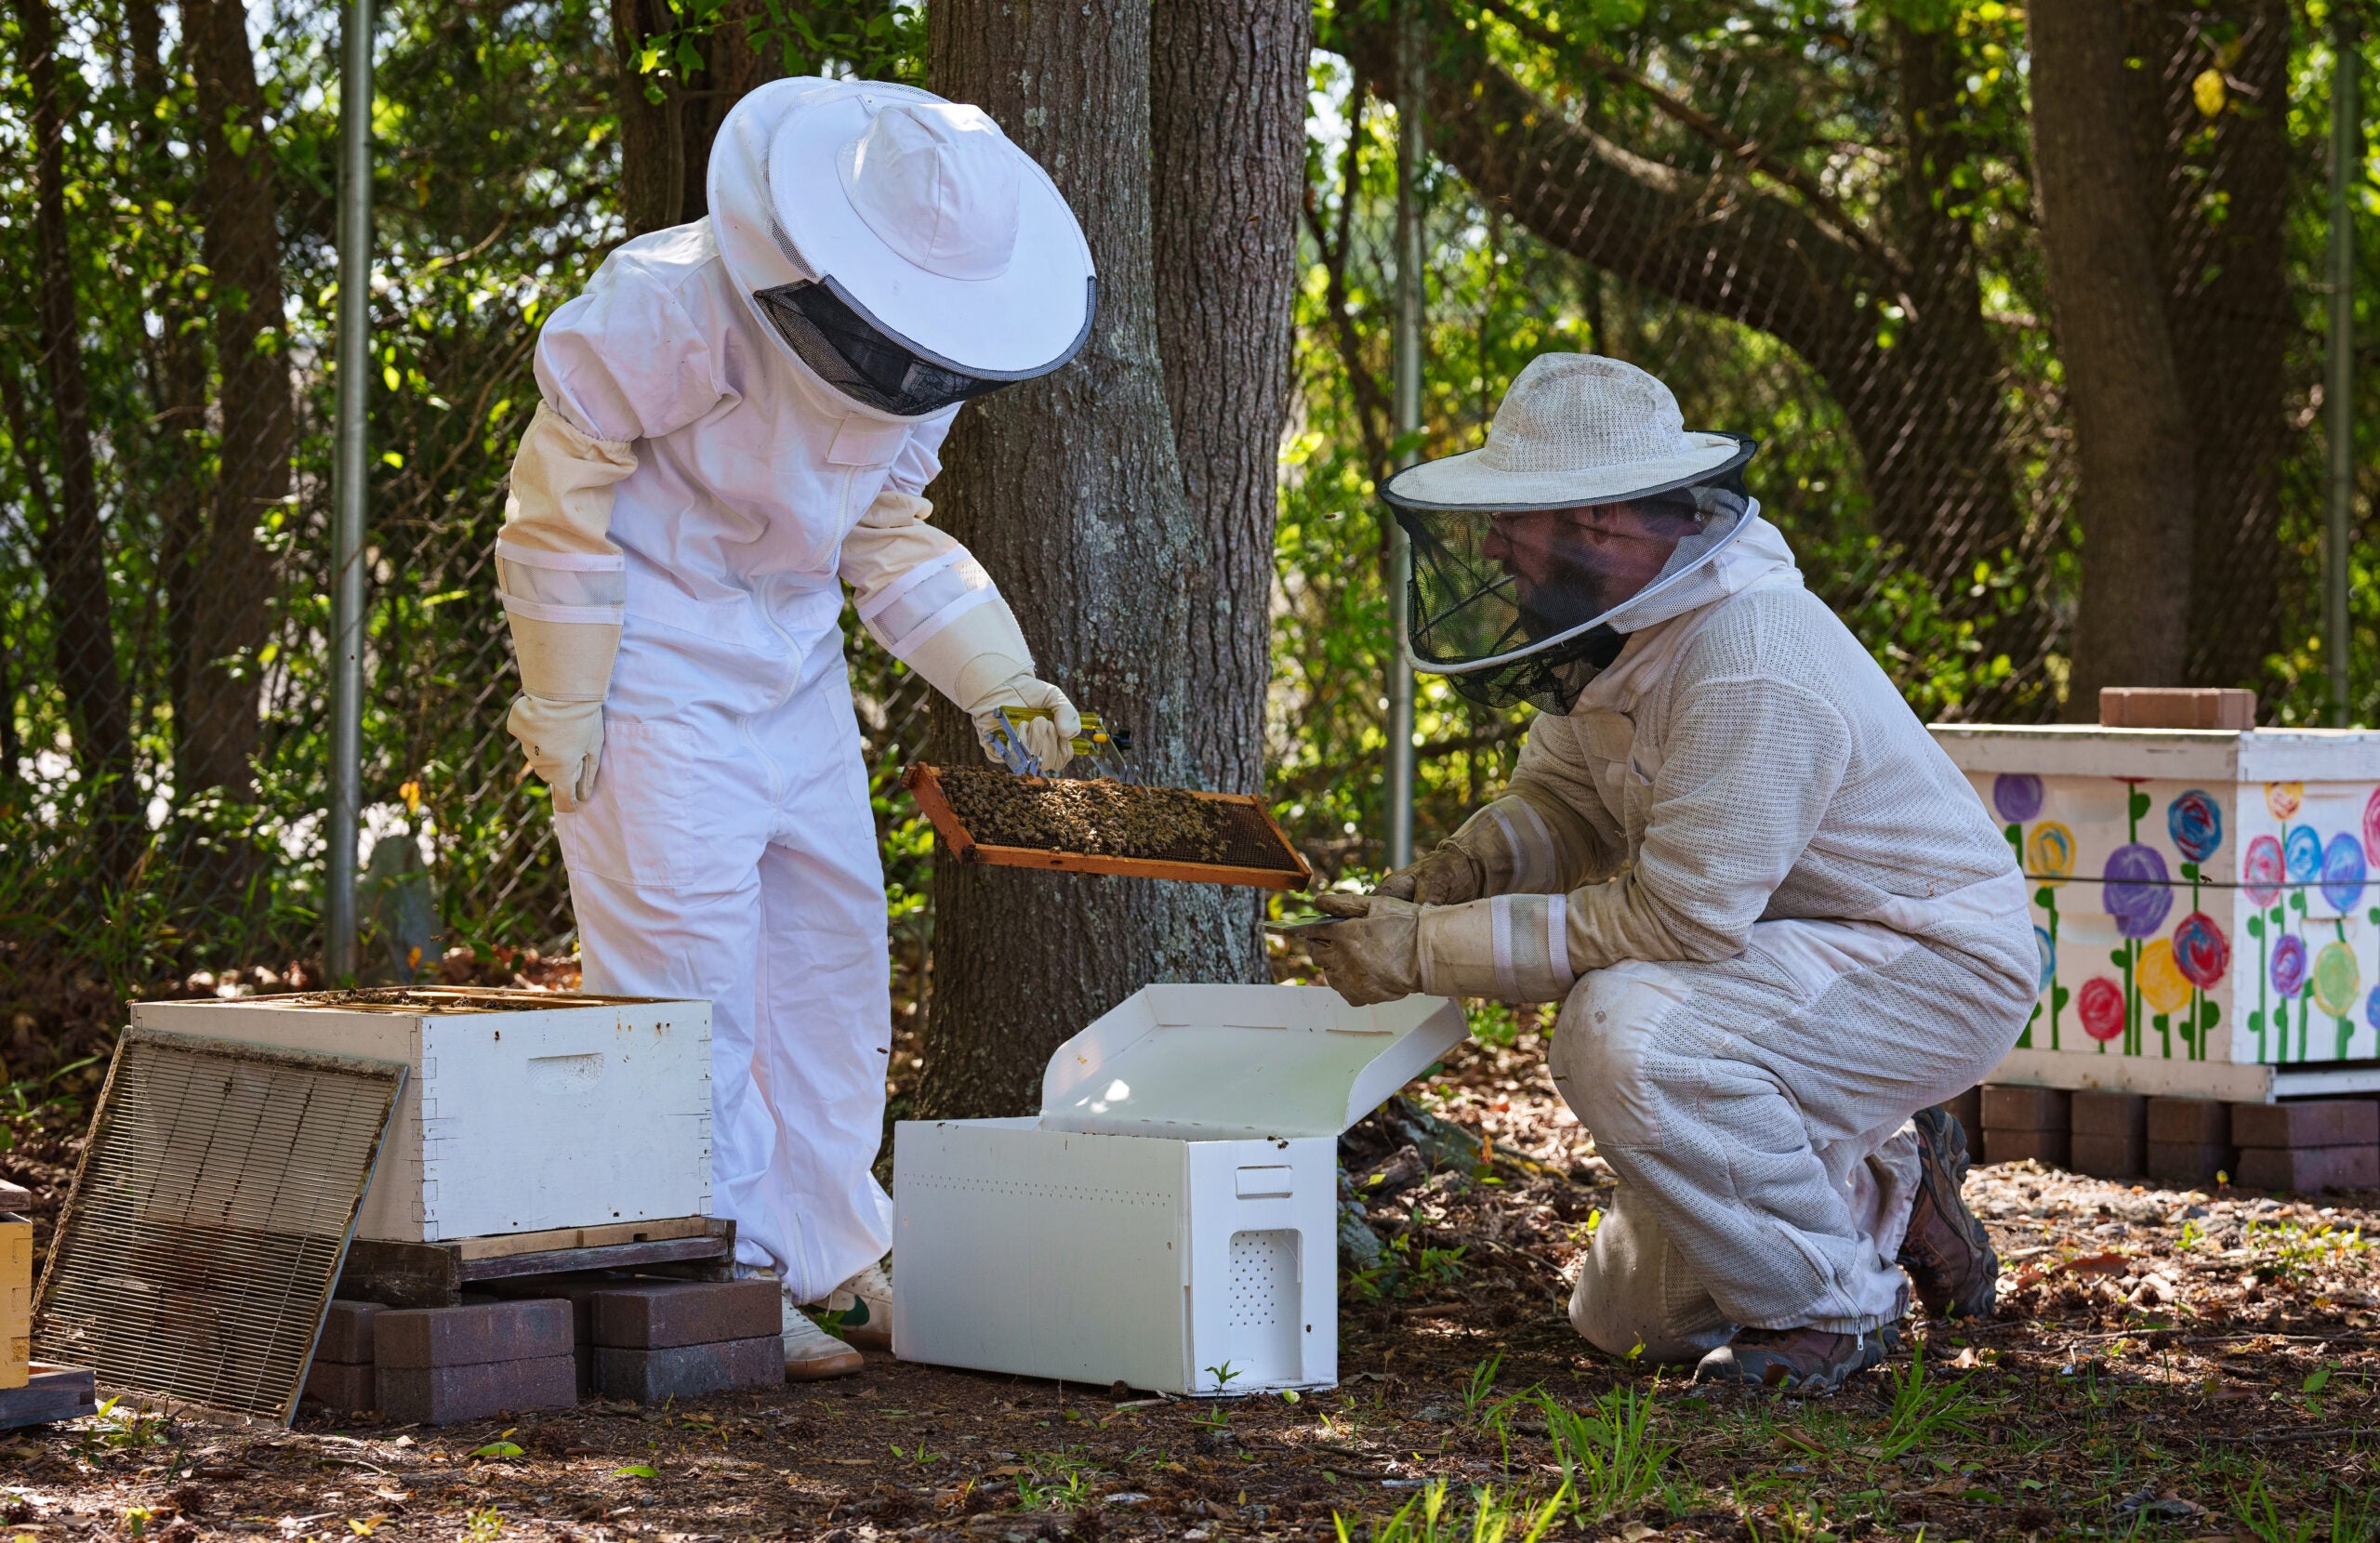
[1805, 1360]
[1946, 1252]
[811, 1353]
[861, 1309]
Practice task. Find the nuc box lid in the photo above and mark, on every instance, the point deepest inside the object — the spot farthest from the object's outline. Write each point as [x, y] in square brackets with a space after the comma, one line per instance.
[1220, 1062]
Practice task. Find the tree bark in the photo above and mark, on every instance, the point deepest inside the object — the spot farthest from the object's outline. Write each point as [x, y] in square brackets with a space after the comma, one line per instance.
[1070, 491]
[665, 145]
[225, 585]
[1924, 411]
[2107, 301]
[71, 549]
[2217, 189]
[1227, 121]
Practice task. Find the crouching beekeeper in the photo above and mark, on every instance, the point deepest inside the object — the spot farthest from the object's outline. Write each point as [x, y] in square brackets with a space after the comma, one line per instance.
[1779, 922]
[740, 417]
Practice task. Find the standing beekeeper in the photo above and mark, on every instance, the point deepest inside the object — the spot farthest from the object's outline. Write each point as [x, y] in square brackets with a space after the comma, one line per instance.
[1779, 922]
[740, 416]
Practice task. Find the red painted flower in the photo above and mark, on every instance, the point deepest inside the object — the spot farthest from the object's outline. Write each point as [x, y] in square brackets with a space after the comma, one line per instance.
[2101, 1005]
[2201, 951]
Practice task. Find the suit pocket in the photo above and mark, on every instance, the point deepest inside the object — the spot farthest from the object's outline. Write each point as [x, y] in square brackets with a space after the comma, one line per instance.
[657, 819]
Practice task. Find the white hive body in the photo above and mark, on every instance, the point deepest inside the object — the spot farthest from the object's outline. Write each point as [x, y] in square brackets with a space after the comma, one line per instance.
[523, 1112]
[2207, 904]
[1170, 1219]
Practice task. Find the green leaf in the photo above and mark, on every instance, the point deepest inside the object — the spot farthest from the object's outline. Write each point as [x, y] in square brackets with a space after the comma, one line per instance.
[2317, 1379]
[635, 1471]
[497, 1449]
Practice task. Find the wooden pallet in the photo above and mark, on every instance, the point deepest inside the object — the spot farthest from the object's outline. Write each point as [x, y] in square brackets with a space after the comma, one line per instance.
[52, 1392]
[1284, 870]
[436, 1274]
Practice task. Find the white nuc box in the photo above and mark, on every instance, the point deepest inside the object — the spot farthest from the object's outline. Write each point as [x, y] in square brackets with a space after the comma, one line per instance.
[525, 1110]
[1169, 1220]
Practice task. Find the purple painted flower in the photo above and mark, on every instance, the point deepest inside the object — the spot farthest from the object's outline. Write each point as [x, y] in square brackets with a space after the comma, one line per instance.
[2262, 871]
[2342, 872]
[2201, 951]
[2017, 795]
[2195, 821]
[2134, 890]
[2302, 854]
[2289, 965]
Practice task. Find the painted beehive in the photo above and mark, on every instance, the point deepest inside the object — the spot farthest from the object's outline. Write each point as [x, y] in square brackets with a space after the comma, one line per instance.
[2205, 903]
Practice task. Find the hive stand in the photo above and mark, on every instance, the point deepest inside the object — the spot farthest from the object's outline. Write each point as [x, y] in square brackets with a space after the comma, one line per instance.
[2305, 1147]
[436, 1274]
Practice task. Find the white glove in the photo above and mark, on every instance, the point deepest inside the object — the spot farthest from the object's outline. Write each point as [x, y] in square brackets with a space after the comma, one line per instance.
[978, 659]
[558, 718]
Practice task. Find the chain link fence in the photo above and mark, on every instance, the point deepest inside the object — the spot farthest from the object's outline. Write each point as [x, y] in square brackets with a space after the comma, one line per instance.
[166, 200]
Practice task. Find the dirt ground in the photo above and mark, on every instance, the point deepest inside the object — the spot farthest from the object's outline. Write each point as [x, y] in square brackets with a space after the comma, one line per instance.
[2165, 1365]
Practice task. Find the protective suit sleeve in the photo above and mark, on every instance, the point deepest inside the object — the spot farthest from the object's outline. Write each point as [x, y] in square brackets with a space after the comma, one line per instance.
[563, 584]
[1753, 765]
[1552, 774]
[1527, 842]
[623, 359]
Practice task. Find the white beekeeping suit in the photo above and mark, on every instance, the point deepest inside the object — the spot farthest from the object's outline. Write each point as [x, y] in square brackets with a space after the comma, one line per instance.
[1776, 917]
[739, 416]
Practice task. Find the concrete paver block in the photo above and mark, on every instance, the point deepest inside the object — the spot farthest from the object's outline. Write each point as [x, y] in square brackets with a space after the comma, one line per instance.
[2318, 1122]
[445, 1395]
[2102, 1114]
[2187, 1162]
[347, 1333]
[341, 1385]
[2008, 1106]
[2053, 1147]
[472, 1335]
[2190, 1122]
[2309, 1169]
[657, 1316]
[2110, 1156]
[688, 1371]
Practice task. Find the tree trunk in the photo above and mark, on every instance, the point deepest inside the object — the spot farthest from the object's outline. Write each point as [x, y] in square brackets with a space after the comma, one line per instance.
[1227, 120]
[665, 145]
[225, 585]
[2132, 424]
[71, 549]
[2217, 186]
[1070, 490]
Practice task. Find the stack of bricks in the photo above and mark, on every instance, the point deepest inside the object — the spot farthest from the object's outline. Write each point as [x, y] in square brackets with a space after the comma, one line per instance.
[657, 1340]
[439, 1366]
[2110, 1134]
[2189, 1140]
[340, 1376]
[1968, 1109]
[2326, 1143]
[2020, 1122]
[16, 1285]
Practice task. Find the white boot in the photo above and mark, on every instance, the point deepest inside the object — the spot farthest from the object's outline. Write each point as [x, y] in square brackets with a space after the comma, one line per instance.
[811, 1353]
[865, 1303]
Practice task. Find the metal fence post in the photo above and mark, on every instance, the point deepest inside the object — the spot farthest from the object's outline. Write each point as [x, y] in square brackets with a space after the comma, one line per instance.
[1411, 298]
[350, 473]
[2338, 387]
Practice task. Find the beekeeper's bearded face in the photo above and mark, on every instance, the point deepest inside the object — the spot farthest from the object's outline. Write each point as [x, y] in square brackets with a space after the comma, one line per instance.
[1569, 565]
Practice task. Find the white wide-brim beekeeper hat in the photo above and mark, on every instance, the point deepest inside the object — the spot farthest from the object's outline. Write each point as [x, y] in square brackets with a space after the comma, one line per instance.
[925, 218]
[1575, 428]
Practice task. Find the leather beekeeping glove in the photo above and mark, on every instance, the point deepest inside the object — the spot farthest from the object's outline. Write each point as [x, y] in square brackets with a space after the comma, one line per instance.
[1524, 842]
[1370, 956]
[1510, 948]
[927, 599]
[563, 584]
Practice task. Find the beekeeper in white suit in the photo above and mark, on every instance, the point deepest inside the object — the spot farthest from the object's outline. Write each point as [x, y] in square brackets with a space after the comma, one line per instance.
[1777, 920]
[740, 417]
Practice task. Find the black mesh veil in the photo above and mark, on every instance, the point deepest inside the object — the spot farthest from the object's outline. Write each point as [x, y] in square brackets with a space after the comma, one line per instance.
[1528, 605]
[871, 364]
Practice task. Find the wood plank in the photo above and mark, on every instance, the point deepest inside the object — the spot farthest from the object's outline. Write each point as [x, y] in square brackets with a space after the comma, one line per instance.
[618, 1255]
[52, 1392]
[502, 1244]
[401, 1274]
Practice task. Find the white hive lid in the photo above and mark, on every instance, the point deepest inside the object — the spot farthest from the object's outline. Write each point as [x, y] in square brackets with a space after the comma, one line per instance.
[1231, 1061]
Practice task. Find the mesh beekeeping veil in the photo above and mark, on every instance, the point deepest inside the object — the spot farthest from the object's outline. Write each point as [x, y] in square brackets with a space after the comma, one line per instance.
[1533, 556]
[899, 244]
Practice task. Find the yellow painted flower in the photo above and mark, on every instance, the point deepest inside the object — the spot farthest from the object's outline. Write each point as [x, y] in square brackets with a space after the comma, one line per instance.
[2162, 984]
[2282, 798]
[2049, 853]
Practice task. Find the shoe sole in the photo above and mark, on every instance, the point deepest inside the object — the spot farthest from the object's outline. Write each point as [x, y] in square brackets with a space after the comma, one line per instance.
[819, 1369]
[1870, 1358]
[866, 1339]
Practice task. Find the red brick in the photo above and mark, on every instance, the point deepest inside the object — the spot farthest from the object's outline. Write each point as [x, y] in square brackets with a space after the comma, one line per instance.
[2187, 1162]
[2008, 1106]
[1968, 1109]
[2102, 1114]
[659, 1314]
[688, 1371]
[471, 1336]
[2318, 1122]
[2013, 1146]
[347, 1334]
[2309, 1169]
[2109, 1157]
[443, 1395]
[2190, 1122]
[341, 1385]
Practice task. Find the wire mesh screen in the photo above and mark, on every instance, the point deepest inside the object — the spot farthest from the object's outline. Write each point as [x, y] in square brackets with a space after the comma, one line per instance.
[197, 1253]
